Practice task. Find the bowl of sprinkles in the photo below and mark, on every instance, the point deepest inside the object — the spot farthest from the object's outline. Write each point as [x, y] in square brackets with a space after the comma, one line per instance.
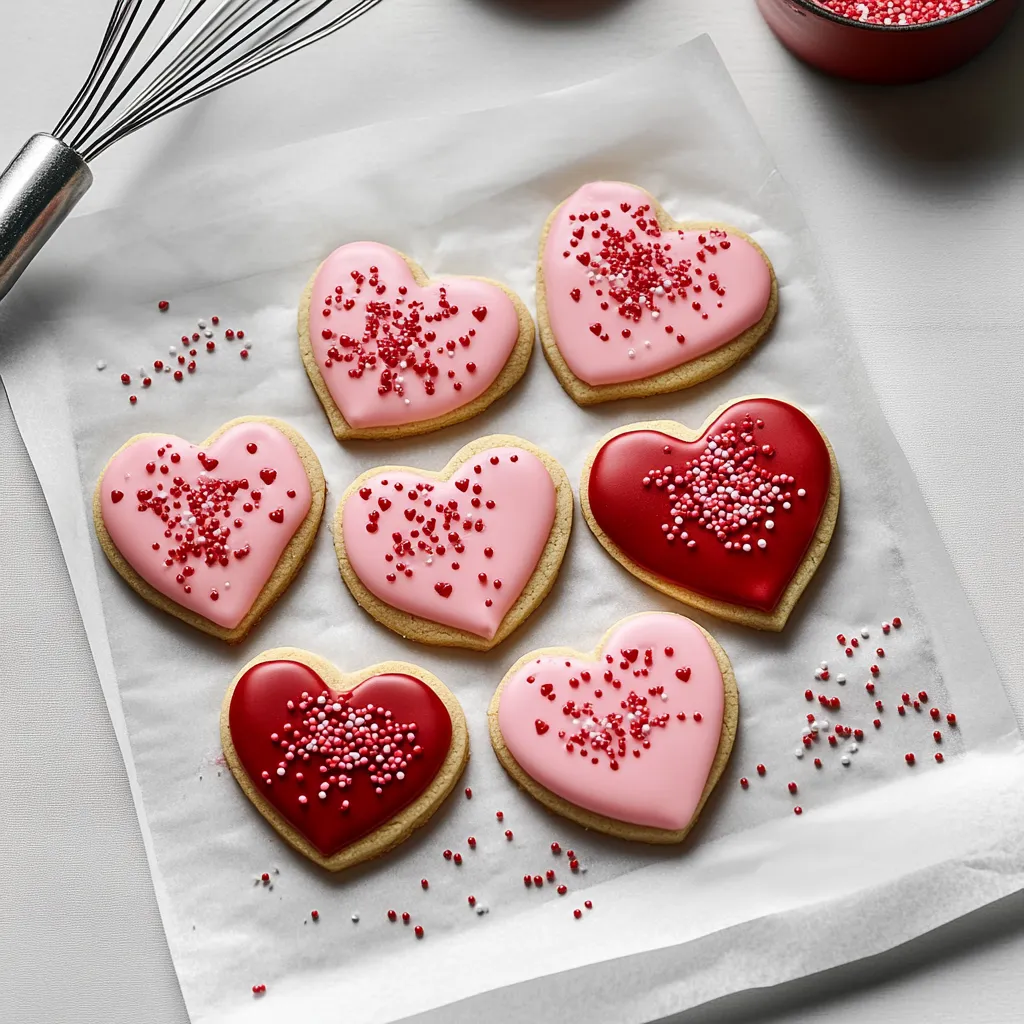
[886, 41]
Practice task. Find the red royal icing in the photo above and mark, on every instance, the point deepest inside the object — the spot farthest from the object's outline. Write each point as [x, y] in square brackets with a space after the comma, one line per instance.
[380, 712]
[737, 541]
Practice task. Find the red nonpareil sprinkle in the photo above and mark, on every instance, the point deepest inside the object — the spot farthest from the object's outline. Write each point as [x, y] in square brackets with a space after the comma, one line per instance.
[939, 757]
[880, 651]
[909, 758]
[937, 736]
[214, 320]
[527, 880]
[901, 709]
[471, 900]
[472, 842]
[923, 695]
[577, 913]
[854, 642]
[832, 741]
[406, 918]
[879, 705]
[875, 670]
[229, 334]
[841, 640]
[457, 857]
[469, 793]
[588, 904]
[315, 914]
[878, 723]
[508, 834]
[951, 718]
[834, 704]
[125, 378]
[258, 990]
[447, 854]
[792, 787]
[562, 890]
[392, 916]
[817, 762]
[244, 353]
[808, 695]
[210, 346]
[500, 815]
[886, 626]
[870, 687]
[824, 674]
[798, 810]
[424, 884]
[744, 782]
[905, 697]
[550, 874]
[574, 865]
[570, 854]
[239, 335]
[897, 622]
[538, 880]
[556, 848]
[418, 931]
[133, 399]
[163, 305]
[935, 713]
[761, 769]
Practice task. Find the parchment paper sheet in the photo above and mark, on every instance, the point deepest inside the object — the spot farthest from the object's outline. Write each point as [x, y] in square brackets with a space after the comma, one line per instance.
[757, 895]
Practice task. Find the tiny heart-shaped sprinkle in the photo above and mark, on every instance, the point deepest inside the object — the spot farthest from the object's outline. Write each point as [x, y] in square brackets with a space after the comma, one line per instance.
[681, 673]
[541, 726]
[277, 516]
[116, 496]
[364, 493]
[268, 476]
[444, 589]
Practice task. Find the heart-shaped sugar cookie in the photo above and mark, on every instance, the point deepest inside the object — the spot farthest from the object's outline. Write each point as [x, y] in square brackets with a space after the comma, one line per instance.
[213, 532]
[344, 766]
[629, 740]
[733, 518]
[391, 352]
[631, 302]
[457, 558]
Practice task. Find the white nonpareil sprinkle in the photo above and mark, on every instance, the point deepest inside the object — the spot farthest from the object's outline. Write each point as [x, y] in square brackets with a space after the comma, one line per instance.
[207, 333]
[101, 364]
[798, 753]
[201, 324]
[845, 760]
[355, 919]
[864, 632]
[173, 349]
[841, 679]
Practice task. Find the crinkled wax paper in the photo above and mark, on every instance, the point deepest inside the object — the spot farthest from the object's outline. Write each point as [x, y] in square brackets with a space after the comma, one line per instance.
[756, 895]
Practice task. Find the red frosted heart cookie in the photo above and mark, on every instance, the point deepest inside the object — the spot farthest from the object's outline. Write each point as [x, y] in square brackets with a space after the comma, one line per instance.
[631, 302]
[212, 532]
[457, 558]
[343, 765]
[391, 352]
[630, 739]
[732, 519]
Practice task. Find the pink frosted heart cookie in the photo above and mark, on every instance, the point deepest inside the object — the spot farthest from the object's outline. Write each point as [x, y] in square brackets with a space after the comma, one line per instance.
[212, 532]
[630, 739]
[461, 557]
[391, 352]
[631, 302]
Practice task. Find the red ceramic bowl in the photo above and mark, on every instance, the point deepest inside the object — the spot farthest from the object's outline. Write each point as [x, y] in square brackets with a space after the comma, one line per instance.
[884, 53]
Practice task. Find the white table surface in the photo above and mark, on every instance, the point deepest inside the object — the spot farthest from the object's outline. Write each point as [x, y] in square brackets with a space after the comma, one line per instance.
[916, 198]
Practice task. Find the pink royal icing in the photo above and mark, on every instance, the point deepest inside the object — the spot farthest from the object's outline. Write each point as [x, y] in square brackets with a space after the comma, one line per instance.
[607, 735]
[459, 551]
[626, 300]
[206, 526]
[392, 352]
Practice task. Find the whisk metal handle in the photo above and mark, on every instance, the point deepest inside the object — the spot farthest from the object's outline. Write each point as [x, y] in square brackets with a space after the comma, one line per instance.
[37, 191]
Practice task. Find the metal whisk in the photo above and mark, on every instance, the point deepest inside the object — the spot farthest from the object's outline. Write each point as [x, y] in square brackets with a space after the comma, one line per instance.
[151, 61]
